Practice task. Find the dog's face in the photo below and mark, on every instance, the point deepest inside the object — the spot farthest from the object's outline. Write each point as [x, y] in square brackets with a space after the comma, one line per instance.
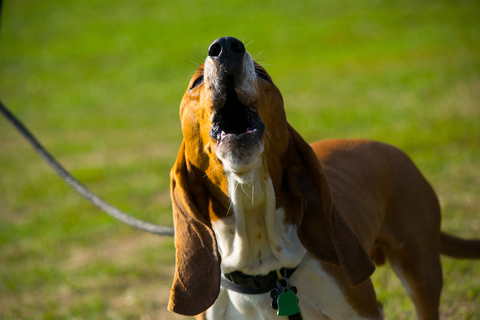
[232, 112]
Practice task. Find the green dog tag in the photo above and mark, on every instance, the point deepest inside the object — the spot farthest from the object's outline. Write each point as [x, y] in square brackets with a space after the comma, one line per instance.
[287, 303]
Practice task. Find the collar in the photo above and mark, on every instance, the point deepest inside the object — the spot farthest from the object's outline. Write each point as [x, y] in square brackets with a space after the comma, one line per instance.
[248, 284]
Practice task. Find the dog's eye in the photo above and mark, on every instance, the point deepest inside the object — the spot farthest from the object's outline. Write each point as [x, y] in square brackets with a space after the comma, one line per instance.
[197, 81]
[264, 76]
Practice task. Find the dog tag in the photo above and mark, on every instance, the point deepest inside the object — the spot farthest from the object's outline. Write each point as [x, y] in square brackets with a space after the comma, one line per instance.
[284, 297]
[287, 303]
[276, 292]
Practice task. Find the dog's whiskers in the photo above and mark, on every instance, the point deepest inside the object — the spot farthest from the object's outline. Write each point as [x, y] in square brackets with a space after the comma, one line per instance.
[253, 191]
[229, 208]
[231, 201]
[246, 193]
[264, 63]
[219, 165]
[264, 189]
[198, 65]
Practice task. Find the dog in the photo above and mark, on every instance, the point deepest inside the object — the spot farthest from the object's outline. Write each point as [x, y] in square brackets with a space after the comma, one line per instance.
[260, 214]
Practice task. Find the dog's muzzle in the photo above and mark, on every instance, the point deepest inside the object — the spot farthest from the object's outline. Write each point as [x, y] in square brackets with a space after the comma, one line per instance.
[236, 126]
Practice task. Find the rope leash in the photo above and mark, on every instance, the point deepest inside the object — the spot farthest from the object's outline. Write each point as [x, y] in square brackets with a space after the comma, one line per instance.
[79, 187]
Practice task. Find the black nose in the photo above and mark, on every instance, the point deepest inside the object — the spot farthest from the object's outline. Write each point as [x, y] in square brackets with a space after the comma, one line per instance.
[226, 48]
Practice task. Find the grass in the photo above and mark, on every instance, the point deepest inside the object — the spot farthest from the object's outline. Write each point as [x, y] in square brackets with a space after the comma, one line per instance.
[100, 82]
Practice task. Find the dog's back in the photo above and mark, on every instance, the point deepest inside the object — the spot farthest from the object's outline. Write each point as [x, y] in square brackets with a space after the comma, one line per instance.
[394, 212]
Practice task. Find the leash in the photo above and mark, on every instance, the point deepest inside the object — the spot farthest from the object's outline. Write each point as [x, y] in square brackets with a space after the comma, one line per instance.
[79, 187]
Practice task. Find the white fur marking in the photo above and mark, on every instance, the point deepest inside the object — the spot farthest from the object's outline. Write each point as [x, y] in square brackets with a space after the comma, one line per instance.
[262, 242]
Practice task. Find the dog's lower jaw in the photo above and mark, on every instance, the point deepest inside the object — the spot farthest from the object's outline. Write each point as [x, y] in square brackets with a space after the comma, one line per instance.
[240, 164]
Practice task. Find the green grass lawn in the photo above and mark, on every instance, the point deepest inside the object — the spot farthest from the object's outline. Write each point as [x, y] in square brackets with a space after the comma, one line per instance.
[100, 82]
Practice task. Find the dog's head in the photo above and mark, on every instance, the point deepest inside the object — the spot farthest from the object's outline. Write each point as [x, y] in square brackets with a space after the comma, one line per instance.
[232, 113]
[233, 119]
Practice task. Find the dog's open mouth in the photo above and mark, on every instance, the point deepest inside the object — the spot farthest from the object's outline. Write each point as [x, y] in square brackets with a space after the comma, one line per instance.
[236, 121]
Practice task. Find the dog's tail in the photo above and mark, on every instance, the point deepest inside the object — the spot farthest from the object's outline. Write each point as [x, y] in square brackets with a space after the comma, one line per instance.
[459, 248]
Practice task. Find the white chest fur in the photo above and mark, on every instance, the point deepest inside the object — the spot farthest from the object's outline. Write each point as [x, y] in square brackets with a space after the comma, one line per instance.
[255, 239]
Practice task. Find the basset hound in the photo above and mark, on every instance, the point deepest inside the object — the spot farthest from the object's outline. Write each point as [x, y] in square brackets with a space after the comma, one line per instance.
[259, 213]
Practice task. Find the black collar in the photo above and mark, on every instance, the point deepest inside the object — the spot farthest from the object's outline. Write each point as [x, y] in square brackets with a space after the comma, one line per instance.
[248, 284]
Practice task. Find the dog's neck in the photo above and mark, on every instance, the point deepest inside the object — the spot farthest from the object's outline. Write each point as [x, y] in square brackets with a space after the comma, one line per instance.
[253, 238]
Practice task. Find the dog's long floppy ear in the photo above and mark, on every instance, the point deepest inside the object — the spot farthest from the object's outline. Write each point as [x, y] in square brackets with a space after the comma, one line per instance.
[197, 276]
[321, 228]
